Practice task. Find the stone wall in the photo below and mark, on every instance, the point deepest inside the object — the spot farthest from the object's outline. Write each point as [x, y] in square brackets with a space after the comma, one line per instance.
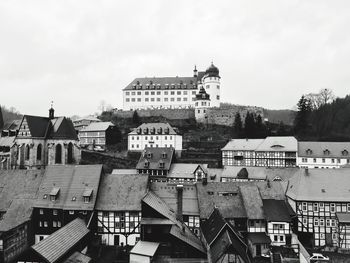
[171, 114]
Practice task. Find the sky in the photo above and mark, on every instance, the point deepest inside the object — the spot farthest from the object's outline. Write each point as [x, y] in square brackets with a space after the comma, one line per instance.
[79, 53]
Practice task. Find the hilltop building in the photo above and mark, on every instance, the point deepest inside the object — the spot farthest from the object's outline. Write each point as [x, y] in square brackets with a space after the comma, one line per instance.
[81, 123]
[172, 92]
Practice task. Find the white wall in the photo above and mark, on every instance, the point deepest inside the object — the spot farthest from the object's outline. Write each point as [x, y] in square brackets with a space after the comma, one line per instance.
[140, 142]
[326, 165]
[212, 90]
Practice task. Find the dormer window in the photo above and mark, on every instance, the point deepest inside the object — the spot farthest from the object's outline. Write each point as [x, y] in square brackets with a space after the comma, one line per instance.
[74, 198]
[149, 155]
[45, 196]
[161, 164]
[87, 195]
[326, 152]
[345, 153]
[54, 193]
[164, 155]
[308, 151]
[146, 164]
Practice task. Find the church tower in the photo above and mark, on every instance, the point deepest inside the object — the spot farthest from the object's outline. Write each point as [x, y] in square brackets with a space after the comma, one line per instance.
[211, 84]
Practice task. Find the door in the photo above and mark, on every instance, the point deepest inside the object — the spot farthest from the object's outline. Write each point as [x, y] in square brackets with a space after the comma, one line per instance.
[258, 250]
[116, 240]
[288, 240]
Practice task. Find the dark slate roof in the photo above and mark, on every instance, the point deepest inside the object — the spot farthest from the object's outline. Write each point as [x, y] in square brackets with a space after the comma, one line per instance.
[259, 238]
[78, 257]
[97, 126]
[19, 212]
[252, 201]
[317, 149]
[121, 192]
[72, 181]
[57, 245]
[57, 128]
[160, 83]
[154, 156]
[276, 210]
[159, 128]
[14, 125]
[213, 225]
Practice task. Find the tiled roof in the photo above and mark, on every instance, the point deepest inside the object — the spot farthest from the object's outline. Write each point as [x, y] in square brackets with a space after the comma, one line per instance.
[185, 170]
[276, 210]
[317, 149]
[97, 126]
[19, 212]
[160, 83]
[168, 193]
[259, 238]
[124, 171]
[145, 248]
[213, 225]
[252, 201]
[254, 173]
[58, 244]
[14, 125]
[151, 158]
[331, 185]
[279, 143]
[72, 181]
[154, 129]
[242, 144]
[121, 192]
[185, 234]
[78, 257]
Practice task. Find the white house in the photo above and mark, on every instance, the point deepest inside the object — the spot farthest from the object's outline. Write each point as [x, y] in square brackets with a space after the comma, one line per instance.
[154, 135]
[323, 154]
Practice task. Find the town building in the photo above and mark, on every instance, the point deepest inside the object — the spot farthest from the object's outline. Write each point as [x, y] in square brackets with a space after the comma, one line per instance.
[81, 123]
[99, 134]
[45, 141]
[323, 154]
[268, 152]
[66, 193]
[7, 138]
[154, 135]
[119, 208]
[172, 92]
[320, 197]
[202, 104]
[156, 161]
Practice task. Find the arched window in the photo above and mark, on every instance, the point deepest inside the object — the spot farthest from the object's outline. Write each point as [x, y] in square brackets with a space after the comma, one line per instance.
[27, 152]
[38, 152]
[58, 156]
[70, 157]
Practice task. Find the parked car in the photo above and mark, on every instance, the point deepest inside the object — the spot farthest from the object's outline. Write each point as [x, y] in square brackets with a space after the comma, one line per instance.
[318, 257]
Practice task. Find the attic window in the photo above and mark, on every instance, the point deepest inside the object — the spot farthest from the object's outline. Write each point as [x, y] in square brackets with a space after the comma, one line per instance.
[45, 196]
[87, 195]
[227, 193]
[308, 151]
[74, 198]
[54, 193]
[277, 178]
[146, 164]
[161, 164]
[326, 152]
[345, 153]
[277, 146]
[323, 190]
[149, 155]
[164, 155]
[210, 193]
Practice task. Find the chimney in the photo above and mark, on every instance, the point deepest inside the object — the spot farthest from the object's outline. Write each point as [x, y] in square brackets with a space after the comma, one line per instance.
[179, 189]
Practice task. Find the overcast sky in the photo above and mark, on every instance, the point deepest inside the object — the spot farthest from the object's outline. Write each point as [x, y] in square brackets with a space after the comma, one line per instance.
[78, 53]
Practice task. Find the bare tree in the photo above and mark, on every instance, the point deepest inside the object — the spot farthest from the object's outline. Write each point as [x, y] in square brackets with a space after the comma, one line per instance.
[318, 99]
[326, 95]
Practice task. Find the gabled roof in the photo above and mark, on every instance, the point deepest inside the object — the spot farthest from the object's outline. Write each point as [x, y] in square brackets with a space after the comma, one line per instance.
[57, 245]
[213, 225]
[158, 126]
[330, 185]
[160, 83]
[316, 149]
[14, 125]
[168, 193]
[279, 143]
[276, 210]
[252, 202]
[97, 126]
[185, 170]
[19, 212]
[242, 145]
[259, 238]
[71, 181]
[121, 192]
[154, 156]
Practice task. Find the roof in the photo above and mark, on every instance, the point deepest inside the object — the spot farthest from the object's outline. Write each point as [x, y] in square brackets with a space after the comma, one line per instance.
[151, 158]
[145, 248]
[279, 143]
[14, 125]
[156, 128]
[71, 181]
[18, 184]
[44, 127]
[168, 193]
[242, 145]
[87, 118]
[157, 83]
[120, 192]
[331, 185]
[97, 126]
[185, 234]
[156, 221]
[343, 217]
[225, 196]
[252, 201]
[258, 238]
[184, 170]
[124, 171]
[7, 141]
[276, 210]
[58, 244]
[19, 212]
[78, 257]
[238, 172]
[213, 225]
[316, 149]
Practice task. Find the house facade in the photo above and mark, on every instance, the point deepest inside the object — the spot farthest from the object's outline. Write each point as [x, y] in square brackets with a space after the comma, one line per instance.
[81, 123]
[172, 92]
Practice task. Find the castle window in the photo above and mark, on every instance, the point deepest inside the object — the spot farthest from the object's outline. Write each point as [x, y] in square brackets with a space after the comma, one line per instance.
[38, 152]
[217, 97]
[127, 100]
[158, 92]
[27, 152]
[58, 156]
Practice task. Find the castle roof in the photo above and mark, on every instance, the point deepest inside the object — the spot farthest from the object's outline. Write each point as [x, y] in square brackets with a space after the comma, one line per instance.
[202, 95]
[163, 83]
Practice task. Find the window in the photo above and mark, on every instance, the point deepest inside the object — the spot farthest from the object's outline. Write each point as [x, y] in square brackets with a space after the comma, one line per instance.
[217, 97]
[158, 92]
[323, 160]
[321, 222]
[70, 157]
[58, 223]
[152, 92]
[139, 93]
[139, 99]
[58, 156]
[127, 100]
[38, 152]
[41, 211]
[338, 160]
[71, 212]
[316, 222]
[146, 93]
[158, 99]
[332, 160]
[54, 224]
[27, 152]
[314, 160]
[281, 238]
[45, 224]
[86, 199]
[133, 93]
[304, 206]
[179, 93]
[275, 238]
[315, 207]
[178, 99]
[165, 99]
[165, 93]
[54, 212]
[332, 207]
[40, 224]
[146, 99]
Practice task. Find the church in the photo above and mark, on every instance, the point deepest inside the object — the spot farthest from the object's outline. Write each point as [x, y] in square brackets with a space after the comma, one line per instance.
[45, 141]
[173, 92]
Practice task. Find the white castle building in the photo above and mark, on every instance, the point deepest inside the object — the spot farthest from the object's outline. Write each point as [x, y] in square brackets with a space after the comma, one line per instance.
[172, 92]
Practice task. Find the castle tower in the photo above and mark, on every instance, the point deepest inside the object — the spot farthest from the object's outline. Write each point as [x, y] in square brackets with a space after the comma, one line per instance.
[211, 83]
[201, 105]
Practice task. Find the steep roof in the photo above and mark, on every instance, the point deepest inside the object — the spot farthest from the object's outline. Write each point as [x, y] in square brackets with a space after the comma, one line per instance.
[154, 157]
[213, 225]
[6, 141]
[57, 245]
[157, 83]
[254, 173]
[276, 210]
[185, 170]
[242, 144]
[252, 201]
[121, 192]
[19, 212]
[330, 185]
[317, 149]
[71, 181]
[14, 125]
[158, 127]
[97, 126]
[279, 143]
[168, 193]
